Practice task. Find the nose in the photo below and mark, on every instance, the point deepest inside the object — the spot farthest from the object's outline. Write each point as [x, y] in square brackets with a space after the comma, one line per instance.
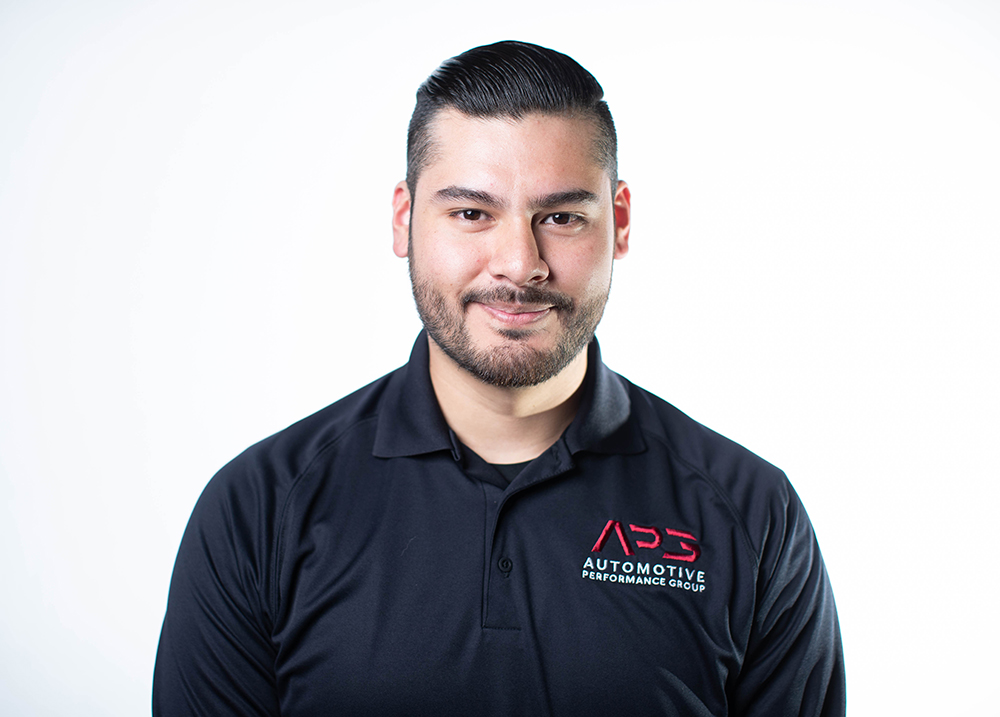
[516, 255]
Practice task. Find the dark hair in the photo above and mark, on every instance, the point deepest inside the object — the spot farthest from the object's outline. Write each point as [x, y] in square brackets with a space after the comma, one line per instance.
[509, 79]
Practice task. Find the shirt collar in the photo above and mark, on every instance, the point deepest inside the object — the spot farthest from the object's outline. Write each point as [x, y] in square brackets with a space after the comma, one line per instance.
[410, 421]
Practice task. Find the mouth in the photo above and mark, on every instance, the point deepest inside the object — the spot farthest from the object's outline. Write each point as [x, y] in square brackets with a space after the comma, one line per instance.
[515, 314]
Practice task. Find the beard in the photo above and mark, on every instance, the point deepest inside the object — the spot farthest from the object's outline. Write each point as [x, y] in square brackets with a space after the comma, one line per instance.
[514, 363]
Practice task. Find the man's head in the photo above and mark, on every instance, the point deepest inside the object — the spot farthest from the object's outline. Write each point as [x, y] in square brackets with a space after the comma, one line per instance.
[511, 213]
[509, 80]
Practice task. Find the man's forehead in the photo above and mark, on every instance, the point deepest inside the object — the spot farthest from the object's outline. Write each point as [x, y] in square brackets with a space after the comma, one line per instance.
[552, 200]
[455, 138]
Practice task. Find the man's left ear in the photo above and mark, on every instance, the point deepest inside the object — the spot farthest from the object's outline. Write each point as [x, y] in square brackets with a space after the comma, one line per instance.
[401, 219]
[623, 219]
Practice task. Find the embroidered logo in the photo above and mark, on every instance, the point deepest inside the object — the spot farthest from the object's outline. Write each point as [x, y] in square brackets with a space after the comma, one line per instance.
[636, 572]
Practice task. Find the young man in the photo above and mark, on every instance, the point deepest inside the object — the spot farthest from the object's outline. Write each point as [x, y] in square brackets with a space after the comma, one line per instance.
[503, 526]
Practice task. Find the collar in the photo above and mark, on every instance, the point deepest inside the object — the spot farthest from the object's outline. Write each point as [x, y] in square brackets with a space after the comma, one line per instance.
[410, 421]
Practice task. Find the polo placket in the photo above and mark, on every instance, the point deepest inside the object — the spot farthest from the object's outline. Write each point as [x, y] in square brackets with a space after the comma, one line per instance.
[502, 577]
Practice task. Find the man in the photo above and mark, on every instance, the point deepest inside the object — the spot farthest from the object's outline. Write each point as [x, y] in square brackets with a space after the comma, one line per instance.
[503, 526]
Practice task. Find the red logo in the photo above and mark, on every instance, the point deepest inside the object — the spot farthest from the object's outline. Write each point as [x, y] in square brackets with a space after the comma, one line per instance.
[693, 551]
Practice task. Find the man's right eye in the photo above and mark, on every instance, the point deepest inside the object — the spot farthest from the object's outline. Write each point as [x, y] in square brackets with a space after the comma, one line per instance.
[470, 215]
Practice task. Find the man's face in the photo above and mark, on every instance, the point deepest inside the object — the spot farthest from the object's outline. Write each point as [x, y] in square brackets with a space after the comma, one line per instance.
[511, 240]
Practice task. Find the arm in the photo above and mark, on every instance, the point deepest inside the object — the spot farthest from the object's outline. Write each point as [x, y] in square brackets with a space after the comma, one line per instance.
[794, 663]
[215, 655]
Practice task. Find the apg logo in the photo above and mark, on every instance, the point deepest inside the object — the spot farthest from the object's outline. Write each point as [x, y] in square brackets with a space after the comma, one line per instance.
[693, 551]
[632, 570]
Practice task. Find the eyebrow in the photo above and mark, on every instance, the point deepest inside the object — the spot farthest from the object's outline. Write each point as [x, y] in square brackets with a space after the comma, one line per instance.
[548, 201]
[573, 196]
[454, 193]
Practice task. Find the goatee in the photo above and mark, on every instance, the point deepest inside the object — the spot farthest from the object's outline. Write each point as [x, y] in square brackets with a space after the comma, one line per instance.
[512, 364]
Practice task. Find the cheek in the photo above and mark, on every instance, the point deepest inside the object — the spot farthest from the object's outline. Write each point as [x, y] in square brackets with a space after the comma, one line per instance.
[587, 270]
[446, 263]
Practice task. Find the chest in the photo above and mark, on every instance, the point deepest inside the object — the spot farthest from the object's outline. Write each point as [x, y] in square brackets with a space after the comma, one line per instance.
[423, 590]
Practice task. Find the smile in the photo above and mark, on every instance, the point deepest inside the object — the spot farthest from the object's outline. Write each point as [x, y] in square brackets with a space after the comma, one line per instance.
[516, 314]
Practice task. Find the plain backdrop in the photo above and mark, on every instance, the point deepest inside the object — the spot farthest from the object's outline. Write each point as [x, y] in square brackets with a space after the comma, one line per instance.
[195, 252]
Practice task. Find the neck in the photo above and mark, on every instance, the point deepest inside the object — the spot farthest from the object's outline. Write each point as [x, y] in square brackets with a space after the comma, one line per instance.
[506, 425]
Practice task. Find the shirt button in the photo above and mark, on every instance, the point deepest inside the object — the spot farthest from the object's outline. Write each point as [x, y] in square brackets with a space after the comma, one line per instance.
[505, 565]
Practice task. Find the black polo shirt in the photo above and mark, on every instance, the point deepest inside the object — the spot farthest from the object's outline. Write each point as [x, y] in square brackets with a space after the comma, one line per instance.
[363, 562]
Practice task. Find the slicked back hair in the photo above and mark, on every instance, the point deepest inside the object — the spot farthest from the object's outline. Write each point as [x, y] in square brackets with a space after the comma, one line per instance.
[509, 80]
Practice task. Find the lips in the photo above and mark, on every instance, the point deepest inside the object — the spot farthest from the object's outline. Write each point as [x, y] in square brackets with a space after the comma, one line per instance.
[516, 314]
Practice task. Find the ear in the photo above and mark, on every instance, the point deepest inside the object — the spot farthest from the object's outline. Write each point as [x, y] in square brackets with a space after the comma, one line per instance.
[623, 219]
[401, 219]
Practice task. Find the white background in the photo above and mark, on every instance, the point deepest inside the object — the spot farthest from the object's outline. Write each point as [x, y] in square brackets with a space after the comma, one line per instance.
[195, 252]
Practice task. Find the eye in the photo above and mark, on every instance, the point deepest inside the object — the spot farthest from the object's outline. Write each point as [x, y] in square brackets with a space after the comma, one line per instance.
[470, 215]
[562, 219]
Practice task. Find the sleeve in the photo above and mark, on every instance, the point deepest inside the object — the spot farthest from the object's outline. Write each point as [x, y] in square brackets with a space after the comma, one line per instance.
[794, 665]
[215, 655]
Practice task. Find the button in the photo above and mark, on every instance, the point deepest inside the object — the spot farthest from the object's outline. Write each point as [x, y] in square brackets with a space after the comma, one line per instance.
[505, 565]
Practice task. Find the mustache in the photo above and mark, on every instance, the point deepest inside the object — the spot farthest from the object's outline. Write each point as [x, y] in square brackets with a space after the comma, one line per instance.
[523, 295]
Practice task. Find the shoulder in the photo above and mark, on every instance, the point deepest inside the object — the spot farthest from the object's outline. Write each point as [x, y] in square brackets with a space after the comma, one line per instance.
[236, 521]
[757, 493]
[246, 497]
[273, 465]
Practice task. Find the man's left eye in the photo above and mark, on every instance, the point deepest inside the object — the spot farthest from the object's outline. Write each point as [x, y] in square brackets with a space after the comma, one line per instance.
[561, 219]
